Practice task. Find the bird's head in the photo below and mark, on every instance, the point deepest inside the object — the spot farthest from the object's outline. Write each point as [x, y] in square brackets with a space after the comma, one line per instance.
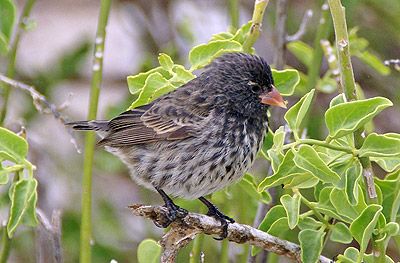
[246, 81]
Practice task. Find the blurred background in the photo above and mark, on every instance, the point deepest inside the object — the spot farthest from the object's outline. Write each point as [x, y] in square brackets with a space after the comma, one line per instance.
[55, 56]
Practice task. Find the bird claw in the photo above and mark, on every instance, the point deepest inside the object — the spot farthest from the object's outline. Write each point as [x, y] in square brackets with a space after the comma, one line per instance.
[224, 219]
[173, 213]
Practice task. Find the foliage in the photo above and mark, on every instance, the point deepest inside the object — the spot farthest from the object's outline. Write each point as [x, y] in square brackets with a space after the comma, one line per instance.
[22, 193]
[330, 167]
[338, 209]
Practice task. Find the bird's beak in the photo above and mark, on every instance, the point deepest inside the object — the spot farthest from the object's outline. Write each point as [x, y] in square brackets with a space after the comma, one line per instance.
[273, 98]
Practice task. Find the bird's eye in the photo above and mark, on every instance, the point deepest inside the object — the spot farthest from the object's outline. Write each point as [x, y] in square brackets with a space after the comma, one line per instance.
[255, 88]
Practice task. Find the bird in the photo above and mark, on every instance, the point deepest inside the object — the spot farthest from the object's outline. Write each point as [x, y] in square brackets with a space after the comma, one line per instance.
[198, 138]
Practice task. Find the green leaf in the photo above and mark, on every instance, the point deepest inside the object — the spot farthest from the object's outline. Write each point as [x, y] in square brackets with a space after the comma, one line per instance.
[29, 217]
[353, 175]
[341, 98]
[221, 36]
[374, 62]
[309, 223]
[292, 208]
[284, 173]
[6, 156]
[242, 33]
[302, 51]
[295, 115]
[4, 175]
[389, 164]
[311, 242]
[182, 75]
[21, 194]
[363, 226]
[326, 207]
[153, 82]
[350, 256]
[343, 207]
[275, 223]
[7, 21]
[13, 145]
[327, 85]
[308, 159]
[305, 180]
[161, 91]
[149, 251]
[137, 82]
[268, 143]
[340, 167]
[3, 45]
[8, 16]
[341, 234]
[165, 62]
[276, 158]
[274, 214]
[348, 117]
[371, 259]
[391, 228]
[278, 227]
[380, 146]
[249, 186]
[279, 138]
[286, 81]
[390, 188]
[202, 55]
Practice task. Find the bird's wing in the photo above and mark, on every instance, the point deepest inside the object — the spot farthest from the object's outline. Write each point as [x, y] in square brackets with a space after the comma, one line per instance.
[150, 123]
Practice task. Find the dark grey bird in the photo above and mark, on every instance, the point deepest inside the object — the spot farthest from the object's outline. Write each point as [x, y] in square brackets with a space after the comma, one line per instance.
[199, 138]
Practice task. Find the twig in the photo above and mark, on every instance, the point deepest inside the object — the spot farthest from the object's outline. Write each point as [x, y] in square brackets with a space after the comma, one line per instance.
[303, 26]
[349, 89]
[97, 73]
[13, 53]
[48, 238]
[280, 34]
[42, 104]
[184, 230]
[258, 13]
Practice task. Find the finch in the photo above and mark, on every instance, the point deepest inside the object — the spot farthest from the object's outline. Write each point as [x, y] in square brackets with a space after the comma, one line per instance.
[199, 138]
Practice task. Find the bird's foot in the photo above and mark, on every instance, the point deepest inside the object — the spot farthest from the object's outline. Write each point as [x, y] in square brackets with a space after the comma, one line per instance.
[224, 219]
[174, 211]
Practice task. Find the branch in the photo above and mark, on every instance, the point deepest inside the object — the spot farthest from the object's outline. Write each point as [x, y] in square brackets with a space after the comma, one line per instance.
[259, 8]
[42, 104]
[184, 230]
[303, 26]
[48, 237]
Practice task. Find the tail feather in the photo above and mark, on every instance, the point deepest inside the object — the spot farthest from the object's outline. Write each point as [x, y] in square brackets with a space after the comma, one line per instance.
[89, 125]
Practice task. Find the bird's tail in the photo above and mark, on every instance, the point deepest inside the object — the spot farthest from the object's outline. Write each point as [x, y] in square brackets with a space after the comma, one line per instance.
[89, 125]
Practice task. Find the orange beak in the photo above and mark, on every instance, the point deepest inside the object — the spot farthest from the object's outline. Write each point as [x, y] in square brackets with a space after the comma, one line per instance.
[273, 98]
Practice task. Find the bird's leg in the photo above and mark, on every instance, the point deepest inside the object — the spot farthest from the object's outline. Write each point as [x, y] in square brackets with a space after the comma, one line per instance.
[214, 212]
[173, 209]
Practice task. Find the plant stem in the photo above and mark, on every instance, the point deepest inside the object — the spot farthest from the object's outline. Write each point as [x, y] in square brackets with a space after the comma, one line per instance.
[233, 7]
[258, 13]
[280, 34]
[320, 143]
[343, 49]
[13, 53]
[196, 250]
[5, 245]
[85, 251]
[349, 89]
[316, 213]
[6, 239]
[323, 32]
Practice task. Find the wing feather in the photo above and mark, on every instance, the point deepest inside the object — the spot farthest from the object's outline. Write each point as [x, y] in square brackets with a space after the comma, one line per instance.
[152, 122]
